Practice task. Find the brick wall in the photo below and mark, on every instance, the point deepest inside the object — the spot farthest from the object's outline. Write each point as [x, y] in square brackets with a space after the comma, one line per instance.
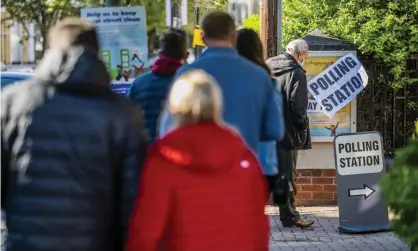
[316, 187]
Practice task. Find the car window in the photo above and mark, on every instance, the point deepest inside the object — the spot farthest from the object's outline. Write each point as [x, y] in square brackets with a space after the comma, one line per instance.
[8, 81]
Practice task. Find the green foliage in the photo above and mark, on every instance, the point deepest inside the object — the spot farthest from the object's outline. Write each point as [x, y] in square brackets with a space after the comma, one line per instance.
[302, 16]
[211, 5]
[415, 135]
[205, 6]
[155, 11]
[400, 189]
[43, 13]
[252, 22]
[384, 29]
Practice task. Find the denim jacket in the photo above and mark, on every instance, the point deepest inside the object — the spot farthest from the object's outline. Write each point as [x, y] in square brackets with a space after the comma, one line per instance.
[267, 151]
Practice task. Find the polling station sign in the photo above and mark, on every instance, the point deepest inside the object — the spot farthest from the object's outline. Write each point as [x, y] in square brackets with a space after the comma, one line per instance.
[339, 84]
[359, 161]
[359, 153]
[313, 106]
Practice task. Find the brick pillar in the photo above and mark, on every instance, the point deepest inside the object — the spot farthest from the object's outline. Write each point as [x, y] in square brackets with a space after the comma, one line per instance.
[316, 187]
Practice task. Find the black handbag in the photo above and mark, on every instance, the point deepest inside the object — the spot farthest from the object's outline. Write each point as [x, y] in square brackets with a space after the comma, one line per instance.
[281, 191]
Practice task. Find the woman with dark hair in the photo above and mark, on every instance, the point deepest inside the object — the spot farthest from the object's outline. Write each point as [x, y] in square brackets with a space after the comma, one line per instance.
[249, 46]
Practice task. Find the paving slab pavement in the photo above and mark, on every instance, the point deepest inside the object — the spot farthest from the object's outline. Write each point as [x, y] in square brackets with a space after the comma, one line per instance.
[324, 235]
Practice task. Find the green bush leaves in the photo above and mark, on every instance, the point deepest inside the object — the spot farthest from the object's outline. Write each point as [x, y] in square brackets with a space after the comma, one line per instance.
[400, 189]
[386, 30]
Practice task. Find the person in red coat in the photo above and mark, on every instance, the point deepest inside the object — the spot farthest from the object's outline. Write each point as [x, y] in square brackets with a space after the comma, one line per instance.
[202, 188]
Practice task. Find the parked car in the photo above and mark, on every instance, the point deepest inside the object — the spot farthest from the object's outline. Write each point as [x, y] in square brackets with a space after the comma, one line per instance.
[8, 78]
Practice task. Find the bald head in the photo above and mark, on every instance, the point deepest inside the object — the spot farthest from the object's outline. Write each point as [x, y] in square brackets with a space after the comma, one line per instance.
[73, 31]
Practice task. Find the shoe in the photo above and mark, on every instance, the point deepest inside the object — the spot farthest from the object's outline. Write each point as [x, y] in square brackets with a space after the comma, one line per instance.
[299, 223]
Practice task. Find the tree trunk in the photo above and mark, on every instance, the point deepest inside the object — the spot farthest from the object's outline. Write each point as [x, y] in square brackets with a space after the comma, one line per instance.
[268, 27]
[44, 35]
[42, 26]
[111, 3]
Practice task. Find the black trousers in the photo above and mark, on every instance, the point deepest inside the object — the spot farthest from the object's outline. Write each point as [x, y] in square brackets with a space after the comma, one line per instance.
[287, 167]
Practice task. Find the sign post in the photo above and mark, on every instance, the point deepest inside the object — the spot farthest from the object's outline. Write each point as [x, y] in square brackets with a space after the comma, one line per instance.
[359, 162]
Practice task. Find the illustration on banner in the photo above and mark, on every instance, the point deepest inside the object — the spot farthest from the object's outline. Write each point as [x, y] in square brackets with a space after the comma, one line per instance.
[320, 124]
[127, 69]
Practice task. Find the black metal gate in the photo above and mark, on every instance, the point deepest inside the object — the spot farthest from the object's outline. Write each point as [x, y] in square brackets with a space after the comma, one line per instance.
[391, 112]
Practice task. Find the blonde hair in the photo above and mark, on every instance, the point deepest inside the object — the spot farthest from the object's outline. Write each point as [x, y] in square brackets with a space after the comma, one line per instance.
[73, 31]
[195, 97]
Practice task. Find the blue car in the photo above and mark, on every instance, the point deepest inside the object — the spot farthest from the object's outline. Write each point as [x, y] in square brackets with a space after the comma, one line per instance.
[8, 78]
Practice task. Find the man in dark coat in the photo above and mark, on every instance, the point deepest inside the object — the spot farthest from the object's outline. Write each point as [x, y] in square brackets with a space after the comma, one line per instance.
[287, 68]
[71, 150]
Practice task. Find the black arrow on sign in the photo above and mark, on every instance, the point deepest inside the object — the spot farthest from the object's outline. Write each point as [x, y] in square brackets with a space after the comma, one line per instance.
[366, 191]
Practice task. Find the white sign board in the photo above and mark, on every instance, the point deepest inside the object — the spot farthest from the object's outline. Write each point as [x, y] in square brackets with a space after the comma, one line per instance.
[339, 84]
[359, 164]
[359, 154]
[314, 106]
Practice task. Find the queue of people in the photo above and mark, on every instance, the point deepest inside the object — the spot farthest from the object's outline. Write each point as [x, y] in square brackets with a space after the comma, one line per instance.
[186, 163]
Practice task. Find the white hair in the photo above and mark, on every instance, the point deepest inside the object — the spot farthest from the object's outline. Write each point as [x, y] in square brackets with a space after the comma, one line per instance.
[297, 46]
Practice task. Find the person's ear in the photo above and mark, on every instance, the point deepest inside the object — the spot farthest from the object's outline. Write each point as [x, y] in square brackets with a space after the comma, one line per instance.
[186, 55]
[303, 55]
[234, 38]
[202, 36]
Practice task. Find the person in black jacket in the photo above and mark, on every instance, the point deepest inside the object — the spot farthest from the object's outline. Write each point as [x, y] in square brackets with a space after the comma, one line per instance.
[71, 149]
[287, 68]
[250, 47]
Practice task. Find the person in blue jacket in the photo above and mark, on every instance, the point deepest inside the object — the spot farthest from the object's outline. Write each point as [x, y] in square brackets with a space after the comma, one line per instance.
[248, 97]
[71, 150]
[151, 89]
[249, 46]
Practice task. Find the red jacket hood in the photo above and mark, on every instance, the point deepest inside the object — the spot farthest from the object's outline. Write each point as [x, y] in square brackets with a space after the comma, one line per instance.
[203, 147]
